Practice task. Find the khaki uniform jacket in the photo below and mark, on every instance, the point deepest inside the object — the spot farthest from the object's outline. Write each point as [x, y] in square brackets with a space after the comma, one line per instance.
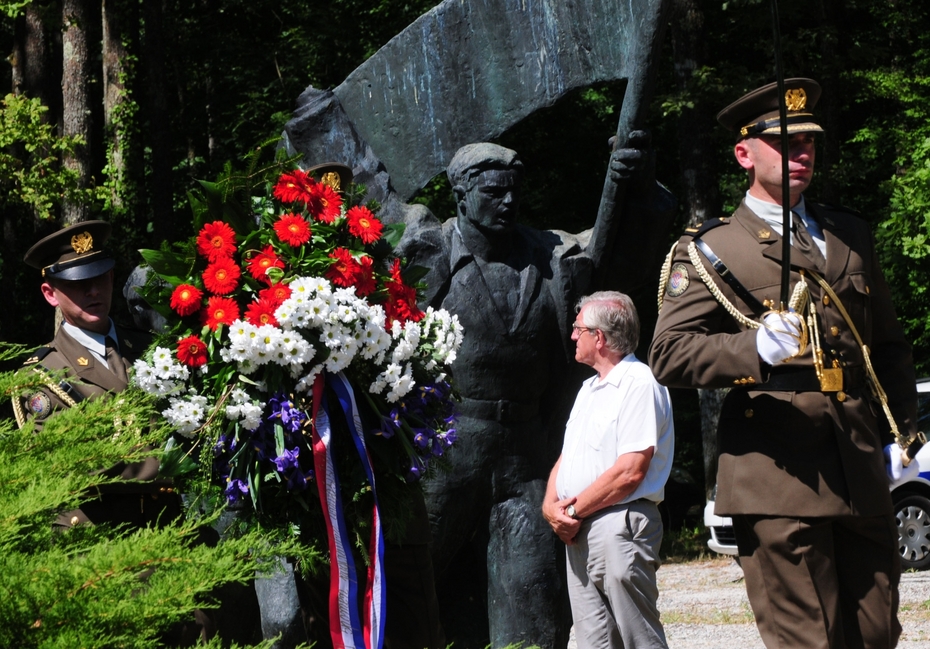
[88, 379]
[800, 453]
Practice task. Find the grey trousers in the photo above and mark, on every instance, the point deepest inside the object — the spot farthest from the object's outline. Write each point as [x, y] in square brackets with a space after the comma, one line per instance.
[612, 578]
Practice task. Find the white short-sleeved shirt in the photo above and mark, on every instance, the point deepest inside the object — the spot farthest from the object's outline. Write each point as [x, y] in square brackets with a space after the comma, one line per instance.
[626, 412]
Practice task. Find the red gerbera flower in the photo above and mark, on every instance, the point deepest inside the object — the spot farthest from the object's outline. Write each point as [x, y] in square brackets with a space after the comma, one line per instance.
[222, 276]
[402, 299]
[220, 310]
[292, 229]
[261, 262]
[365, 283]
[216, 240]
[328, 205]
[185, 299]
[192, 351]
[344, 269]
[363, 224]
[294, 186]
[261, 313]
[275, 293]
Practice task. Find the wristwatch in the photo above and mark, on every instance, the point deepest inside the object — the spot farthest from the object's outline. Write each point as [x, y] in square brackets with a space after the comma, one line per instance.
[570, 510]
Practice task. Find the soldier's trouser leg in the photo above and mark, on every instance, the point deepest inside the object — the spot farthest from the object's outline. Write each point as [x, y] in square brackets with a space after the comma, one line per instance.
[822, 583]
[527, 593]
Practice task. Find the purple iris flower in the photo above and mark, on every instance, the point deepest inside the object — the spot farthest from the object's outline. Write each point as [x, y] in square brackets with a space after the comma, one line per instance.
[283, 409]
[298, 480]
[287, 460]
[422, 437]
[416, 471]
[235, 489]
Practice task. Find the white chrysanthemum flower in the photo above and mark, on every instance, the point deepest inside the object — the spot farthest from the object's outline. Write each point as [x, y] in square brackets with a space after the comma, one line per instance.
[397, 329]
[338, 360]
[144, 376]
[251, 415]
[322, 286]
[404, 382]
[412, 333]
[186, 414]
[378, 386]
[317, 311]
[402, 352]
[335, 335]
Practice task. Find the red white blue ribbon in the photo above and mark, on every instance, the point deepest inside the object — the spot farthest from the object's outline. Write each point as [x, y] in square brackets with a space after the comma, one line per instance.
[349, 628]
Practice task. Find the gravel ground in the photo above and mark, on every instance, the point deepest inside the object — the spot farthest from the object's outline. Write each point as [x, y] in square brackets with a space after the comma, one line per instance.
[704, 606]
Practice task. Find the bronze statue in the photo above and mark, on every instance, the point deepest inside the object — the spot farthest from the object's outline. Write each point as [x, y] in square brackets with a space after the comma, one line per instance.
[513, 288]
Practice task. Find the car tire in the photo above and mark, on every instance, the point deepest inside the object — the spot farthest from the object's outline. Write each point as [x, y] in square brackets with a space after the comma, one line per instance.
[912, 515]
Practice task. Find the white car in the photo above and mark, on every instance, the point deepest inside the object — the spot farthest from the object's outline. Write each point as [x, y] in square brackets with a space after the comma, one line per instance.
[911, 504]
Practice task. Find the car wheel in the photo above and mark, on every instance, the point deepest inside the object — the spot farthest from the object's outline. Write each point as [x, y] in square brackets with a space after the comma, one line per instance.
[912, 513]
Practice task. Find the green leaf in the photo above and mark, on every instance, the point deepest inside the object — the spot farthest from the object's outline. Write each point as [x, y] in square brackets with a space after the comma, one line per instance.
[170, 267]
[223, 206]
[414, 274]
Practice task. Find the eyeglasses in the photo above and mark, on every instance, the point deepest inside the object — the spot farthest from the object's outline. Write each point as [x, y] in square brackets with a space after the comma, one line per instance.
[582, 330]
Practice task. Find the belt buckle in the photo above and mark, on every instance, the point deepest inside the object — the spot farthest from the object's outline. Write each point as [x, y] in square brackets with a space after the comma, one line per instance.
[831, 379]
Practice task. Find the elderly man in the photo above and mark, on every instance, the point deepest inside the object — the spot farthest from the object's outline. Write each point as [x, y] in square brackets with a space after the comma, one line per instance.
[513, 288]
[802, 433]
[603, 491]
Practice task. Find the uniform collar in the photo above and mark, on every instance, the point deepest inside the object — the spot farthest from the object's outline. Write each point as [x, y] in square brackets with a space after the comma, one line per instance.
[93, 341]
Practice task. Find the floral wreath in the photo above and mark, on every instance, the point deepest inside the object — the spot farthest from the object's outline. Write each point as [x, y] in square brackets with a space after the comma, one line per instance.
[300, 377]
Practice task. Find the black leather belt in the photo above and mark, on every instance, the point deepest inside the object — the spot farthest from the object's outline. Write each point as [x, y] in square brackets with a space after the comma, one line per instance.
[502, 411]
[805, 380]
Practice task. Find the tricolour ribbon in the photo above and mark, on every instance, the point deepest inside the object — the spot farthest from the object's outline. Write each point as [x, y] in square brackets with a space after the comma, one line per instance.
[349, 629]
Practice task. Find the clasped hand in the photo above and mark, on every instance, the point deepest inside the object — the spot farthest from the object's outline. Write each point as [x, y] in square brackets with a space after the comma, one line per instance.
[631, 160]
[779, 337]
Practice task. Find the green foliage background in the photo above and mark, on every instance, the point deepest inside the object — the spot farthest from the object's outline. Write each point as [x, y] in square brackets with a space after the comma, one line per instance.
[235, 69]
[99, 586]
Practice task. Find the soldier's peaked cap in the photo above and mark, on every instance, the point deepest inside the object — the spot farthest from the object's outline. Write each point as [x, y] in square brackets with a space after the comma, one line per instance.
[756, 113]
[73, 253]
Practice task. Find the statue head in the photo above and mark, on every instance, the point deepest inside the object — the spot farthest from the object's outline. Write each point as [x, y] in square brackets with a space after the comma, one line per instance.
[486, 180]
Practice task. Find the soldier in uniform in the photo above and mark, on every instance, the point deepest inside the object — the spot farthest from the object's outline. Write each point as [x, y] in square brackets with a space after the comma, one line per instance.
[95, 354]
[803, 439]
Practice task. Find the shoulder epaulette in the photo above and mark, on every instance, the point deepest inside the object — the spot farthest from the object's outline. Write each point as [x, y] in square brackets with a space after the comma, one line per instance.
[701, 228]
[37, 355]
[839, 208]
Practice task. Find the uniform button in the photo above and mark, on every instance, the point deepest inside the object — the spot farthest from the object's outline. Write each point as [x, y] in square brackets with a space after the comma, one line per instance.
[841, 396]
[835, 330]
[749, 413]
[75, 520]
[868, 291]
[826, 300]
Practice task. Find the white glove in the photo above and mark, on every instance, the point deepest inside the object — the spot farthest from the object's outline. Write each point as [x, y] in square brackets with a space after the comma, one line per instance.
[897, 472]
[779, 337]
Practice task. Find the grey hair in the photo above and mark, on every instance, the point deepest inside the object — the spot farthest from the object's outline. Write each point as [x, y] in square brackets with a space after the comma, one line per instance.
[615, 314]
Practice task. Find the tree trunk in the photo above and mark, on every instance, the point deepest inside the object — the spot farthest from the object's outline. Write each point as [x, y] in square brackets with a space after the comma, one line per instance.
[157, 120]
[120, 110]
[700, 182]
[76, 103]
